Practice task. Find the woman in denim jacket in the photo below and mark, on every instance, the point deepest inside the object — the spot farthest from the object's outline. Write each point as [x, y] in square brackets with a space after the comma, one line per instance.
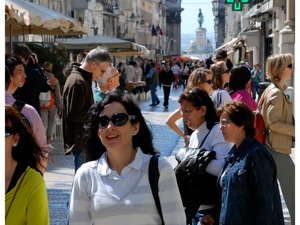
[250, 193]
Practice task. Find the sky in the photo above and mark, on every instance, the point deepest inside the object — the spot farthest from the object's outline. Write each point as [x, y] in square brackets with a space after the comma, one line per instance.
[189, 16]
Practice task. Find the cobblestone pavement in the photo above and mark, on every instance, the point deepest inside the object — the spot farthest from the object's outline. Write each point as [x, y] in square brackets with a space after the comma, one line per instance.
[60, 173]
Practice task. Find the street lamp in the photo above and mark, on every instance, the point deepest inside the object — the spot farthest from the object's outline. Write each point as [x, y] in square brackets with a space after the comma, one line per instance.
[132, 18]
[116, 9]
[217, 21]
[215, 4]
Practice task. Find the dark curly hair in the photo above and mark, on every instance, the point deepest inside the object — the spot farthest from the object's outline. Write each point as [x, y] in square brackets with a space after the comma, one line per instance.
[142, 139]
[199, 97]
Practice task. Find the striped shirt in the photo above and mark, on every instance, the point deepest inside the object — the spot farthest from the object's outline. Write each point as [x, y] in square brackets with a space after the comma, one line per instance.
[101, 196]
[176, 69]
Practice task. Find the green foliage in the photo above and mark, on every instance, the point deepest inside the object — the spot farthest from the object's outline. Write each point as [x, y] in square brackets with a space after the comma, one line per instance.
[49, 52]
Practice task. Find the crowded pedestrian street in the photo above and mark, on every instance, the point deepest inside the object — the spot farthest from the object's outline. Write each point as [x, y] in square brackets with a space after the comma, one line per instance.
[60, 172]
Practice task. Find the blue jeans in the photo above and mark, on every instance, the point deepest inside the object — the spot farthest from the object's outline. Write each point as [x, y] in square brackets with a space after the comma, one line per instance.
[78, 159]
[154, 97]
[254, 88]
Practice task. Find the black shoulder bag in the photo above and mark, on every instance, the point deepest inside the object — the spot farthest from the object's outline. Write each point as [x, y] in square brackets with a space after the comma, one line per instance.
[196, 186]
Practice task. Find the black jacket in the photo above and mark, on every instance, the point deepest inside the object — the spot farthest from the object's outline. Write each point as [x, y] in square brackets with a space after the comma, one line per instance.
[166, 77]
[34, 84]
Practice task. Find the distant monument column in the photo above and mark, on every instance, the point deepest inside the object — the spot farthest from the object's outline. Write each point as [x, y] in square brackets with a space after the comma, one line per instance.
[201, 41]
[201, 46]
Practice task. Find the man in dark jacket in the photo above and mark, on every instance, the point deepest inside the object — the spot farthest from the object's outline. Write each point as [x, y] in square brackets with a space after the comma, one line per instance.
[77, 100]
[166, 78]
[36, 82]
[146, 69]
[222, 56]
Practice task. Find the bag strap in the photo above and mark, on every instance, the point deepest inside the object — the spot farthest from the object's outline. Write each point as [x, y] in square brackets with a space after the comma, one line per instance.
[52, 80]
[153, 180]
[219, 98]
[262, 98]
[19, 105]
[204, 139]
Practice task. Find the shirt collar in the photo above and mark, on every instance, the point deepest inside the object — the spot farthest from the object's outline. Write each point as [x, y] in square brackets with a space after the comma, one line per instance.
[237, 152]
[202, 127]
[104, 170]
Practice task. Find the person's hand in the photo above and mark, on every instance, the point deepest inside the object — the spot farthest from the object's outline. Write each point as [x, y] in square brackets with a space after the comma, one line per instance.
[207, 220]
[34, 58]
[186, 141]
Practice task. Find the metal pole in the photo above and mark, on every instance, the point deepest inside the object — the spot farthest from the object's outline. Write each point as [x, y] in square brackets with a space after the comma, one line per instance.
[10, 38]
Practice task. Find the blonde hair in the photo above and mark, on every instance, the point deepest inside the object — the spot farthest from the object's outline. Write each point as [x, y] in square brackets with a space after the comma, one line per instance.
[275, 64]
[197, 77]
[47, 66]
[217, 70]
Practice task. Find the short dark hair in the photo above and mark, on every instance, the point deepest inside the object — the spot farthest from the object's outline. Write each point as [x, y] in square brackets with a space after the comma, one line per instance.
[221, 54]
[12, 62]
[7, 77]
[240, 114]
[240, 76]
[23, 50]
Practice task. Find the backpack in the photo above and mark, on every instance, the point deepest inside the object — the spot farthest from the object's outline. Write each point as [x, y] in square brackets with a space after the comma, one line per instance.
[153, 180]
[259, 123]
[19, 106]
[260, 127]
[47, 98]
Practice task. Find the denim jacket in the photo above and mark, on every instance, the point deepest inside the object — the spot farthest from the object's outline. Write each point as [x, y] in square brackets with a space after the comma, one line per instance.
[250, 193]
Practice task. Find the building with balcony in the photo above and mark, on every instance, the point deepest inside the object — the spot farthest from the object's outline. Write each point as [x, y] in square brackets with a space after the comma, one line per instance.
[262, 28]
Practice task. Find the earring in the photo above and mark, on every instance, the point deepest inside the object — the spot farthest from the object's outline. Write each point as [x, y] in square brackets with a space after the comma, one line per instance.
[15, 144]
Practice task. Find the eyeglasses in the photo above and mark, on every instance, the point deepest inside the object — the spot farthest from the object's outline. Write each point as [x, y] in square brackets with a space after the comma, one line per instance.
[186, 111]
[290, 66]
[209, 81]
[117, 74]
[118, 119]
[226, 71]
[225, 122]
[8, 131]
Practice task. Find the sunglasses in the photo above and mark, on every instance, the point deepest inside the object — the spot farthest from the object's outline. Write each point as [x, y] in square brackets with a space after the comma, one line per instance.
[118, 119]
[209, 81]
[290, 66]
[226, 71]
[8, 131]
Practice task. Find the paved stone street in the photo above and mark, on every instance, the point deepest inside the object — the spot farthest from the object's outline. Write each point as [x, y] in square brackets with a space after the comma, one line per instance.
[60, 172]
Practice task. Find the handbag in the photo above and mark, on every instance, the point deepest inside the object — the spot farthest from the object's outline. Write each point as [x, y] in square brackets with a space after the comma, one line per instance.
[195, 185]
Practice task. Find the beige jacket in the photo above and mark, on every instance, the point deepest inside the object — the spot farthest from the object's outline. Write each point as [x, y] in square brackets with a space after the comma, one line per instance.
[277, 111]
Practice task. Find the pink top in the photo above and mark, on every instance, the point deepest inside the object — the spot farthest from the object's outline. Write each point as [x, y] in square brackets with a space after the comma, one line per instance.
[35, 120]
[245, 97]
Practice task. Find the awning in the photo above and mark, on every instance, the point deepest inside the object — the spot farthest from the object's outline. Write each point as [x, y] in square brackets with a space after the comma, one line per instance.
[23, 17]
[256, 10]
[227, 46]
[115, 46]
